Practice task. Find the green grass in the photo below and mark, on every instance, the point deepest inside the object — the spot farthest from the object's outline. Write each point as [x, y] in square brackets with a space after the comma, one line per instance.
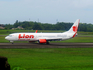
[50, 59]
[6, 32]
[3, 40]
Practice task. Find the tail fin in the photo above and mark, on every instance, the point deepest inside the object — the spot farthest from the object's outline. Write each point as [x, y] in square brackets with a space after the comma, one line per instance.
[74, 27]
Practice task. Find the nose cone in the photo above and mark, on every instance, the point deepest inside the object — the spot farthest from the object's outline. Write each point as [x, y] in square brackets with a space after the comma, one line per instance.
[6, 38]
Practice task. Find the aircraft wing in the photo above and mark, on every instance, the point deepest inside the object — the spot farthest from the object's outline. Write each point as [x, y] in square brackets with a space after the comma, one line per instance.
[52, 39]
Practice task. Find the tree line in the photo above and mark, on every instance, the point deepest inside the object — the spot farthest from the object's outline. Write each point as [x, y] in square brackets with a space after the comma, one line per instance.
[30, 25]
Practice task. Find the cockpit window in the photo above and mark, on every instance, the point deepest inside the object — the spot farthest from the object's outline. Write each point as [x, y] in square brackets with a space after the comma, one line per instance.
[10, 35]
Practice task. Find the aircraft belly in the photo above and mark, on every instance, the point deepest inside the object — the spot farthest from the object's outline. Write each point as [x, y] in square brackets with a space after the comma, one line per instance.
[54, 39]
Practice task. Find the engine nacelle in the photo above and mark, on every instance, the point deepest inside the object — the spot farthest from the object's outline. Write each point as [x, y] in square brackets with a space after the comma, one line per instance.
[42, 41]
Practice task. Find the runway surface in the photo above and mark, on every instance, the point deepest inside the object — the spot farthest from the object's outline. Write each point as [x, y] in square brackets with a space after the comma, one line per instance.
[51, 45]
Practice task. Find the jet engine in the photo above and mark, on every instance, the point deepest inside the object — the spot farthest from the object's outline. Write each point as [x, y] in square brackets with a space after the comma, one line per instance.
[42, 41]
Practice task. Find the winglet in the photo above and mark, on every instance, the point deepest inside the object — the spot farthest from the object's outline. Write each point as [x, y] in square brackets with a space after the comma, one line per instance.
[36, 31]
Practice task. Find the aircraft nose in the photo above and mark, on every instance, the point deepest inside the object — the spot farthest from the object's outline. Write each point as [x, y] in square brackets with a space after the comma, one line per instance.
[6, 37]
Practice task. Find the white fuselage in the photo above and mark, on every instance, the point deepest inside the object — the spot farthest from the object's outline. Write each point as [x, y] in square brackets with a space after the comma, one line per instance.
[37, 36]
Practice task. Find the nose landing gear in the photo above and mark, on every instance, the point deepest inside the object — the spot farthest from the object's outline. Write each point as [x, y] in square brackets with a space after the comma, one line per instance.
[12, 42]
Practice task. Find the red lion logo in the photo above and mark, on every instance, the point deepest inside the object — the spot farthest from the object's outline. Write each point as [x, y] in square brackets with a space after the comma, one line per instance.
[75, 28]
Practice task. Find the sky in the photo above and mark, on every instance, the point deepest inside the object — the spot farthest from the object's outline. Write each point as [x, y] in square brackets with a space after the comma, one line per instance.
[46, 11]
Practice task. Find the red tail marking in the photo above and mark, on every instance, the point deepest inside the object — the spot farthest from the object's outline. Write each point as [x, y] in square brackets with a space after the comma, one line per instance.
[75, 28]
[74, 35]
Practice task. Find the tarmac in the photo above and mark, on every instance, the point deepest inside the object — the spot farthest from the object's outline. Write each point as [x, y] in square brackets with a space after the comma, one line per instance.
[51, 45]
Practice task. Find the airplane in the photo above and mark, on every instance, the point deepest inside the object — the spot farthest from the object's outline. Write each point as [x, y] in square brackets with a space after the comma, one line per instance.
[44, 37]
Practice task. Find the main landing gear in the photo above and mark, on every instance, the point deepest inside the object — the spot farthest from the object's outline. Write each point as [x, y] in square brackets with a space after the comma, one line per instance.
[47, 42]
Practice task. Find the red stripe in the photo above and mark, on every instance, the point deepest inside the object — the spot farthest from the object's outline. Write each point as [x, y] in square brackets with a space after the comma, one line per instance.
[74, 35]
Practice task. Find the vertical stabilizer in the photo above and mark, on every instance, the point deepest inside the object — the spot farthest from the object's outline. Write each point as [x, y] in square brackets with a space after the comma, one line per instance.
[74, 27]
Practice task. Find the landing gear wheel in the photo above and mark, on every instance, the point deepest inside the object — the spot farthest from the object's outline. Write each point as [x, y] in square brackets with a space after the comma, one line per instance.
[12, 42]
[47, 43]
